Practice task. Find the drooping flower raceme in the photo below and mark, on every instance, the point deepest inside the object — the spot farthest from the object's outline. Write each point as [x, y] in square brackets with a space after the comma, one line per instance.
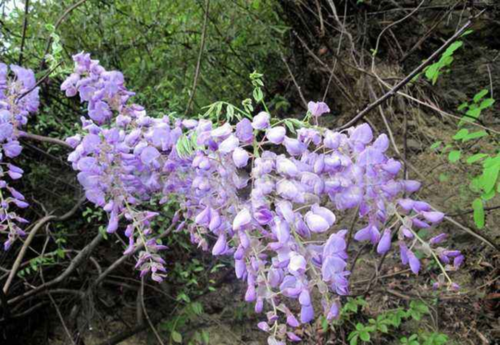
[18, 99]
[268, 197]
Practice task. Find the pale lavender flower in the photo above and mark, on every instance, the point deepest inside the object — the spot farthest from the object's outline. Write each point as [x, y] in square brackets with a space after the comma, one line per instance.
[318, 108]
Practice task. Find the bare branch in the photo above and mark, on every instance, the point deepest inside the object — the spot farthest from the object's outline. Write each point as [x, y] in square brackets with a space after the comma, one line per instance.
[410, 76]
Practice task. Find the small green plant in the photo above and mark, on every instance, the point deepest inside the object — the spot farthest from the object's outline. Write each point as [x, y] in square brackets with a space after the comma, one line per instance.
[174, 326]
[384, 323]
[485, 184]
[433, 71]
[361, 332]
[35, 264]
[433, 338]
[412, 340]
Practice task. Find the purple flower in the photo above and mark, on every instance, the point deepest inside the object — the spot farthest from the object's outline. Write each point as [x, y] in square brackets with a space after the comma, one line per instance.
[12, 149]
[281, 230]
[244, 131]
[403, 252]
[287, 189]
[458, 260]
[220, 246]
[392, 166]
[250, 294]
[149, 155]
[308, 135]
[335, 246]
[317, 108]
[293, 337]
[370, 233]
[332, 267]
[297, 265]
[385, 242]
[334, 311]
[242, 219]
[240, 157]
[100, 112]
[438, 239]
[414, 262]
[222, 132]
[286, 167]
[263, 216]
[319, 219]
[294, 147]
[292, 321]
[362, 134]
[276, 135]
[381, 144]
[433, 217]
[229, 144]
[261, 121]
[306, 313]
[411, 186]
[263, 326]
[406, 204]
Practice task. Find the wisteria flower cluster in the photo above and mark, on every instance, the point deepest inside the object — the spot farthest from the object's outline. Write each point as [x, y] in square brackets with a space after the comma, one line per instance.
[18, 99]
[254, 190]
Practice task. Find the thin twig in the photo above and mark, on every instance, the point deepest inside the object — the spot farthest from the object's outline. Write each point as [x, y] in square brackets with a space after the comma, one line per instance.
[151, 325]
[25, 29]
[74, 264]
[200, 55]
[58, 311]
[481, 237]
[44, 139]
[294, 81]
[59, 22]
[38, 225]
[393, 91]
[461, 213]
[41, 80]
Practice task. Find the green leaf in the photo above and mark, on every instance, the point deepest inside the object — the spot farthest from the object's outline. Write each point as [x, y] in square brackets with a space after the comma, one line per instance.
[230, 112]
[486, 103]
[476, 157]
[177, 337]
[415, 315]
[477, 206]
[324, 324]
[420, 307]
[479, 96]
[383, 328]
[365, 336]
[197, 308]
[474, 135]
[454, 156]
[354, 340]
[258, 95]
[475, 185]
[452, 48]
[466, 33]
[206, 337]
[490, 174]
[436, 145]
[473, 113]
[432, 72]
[463, 106]
[488, 196]
[461, 134]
